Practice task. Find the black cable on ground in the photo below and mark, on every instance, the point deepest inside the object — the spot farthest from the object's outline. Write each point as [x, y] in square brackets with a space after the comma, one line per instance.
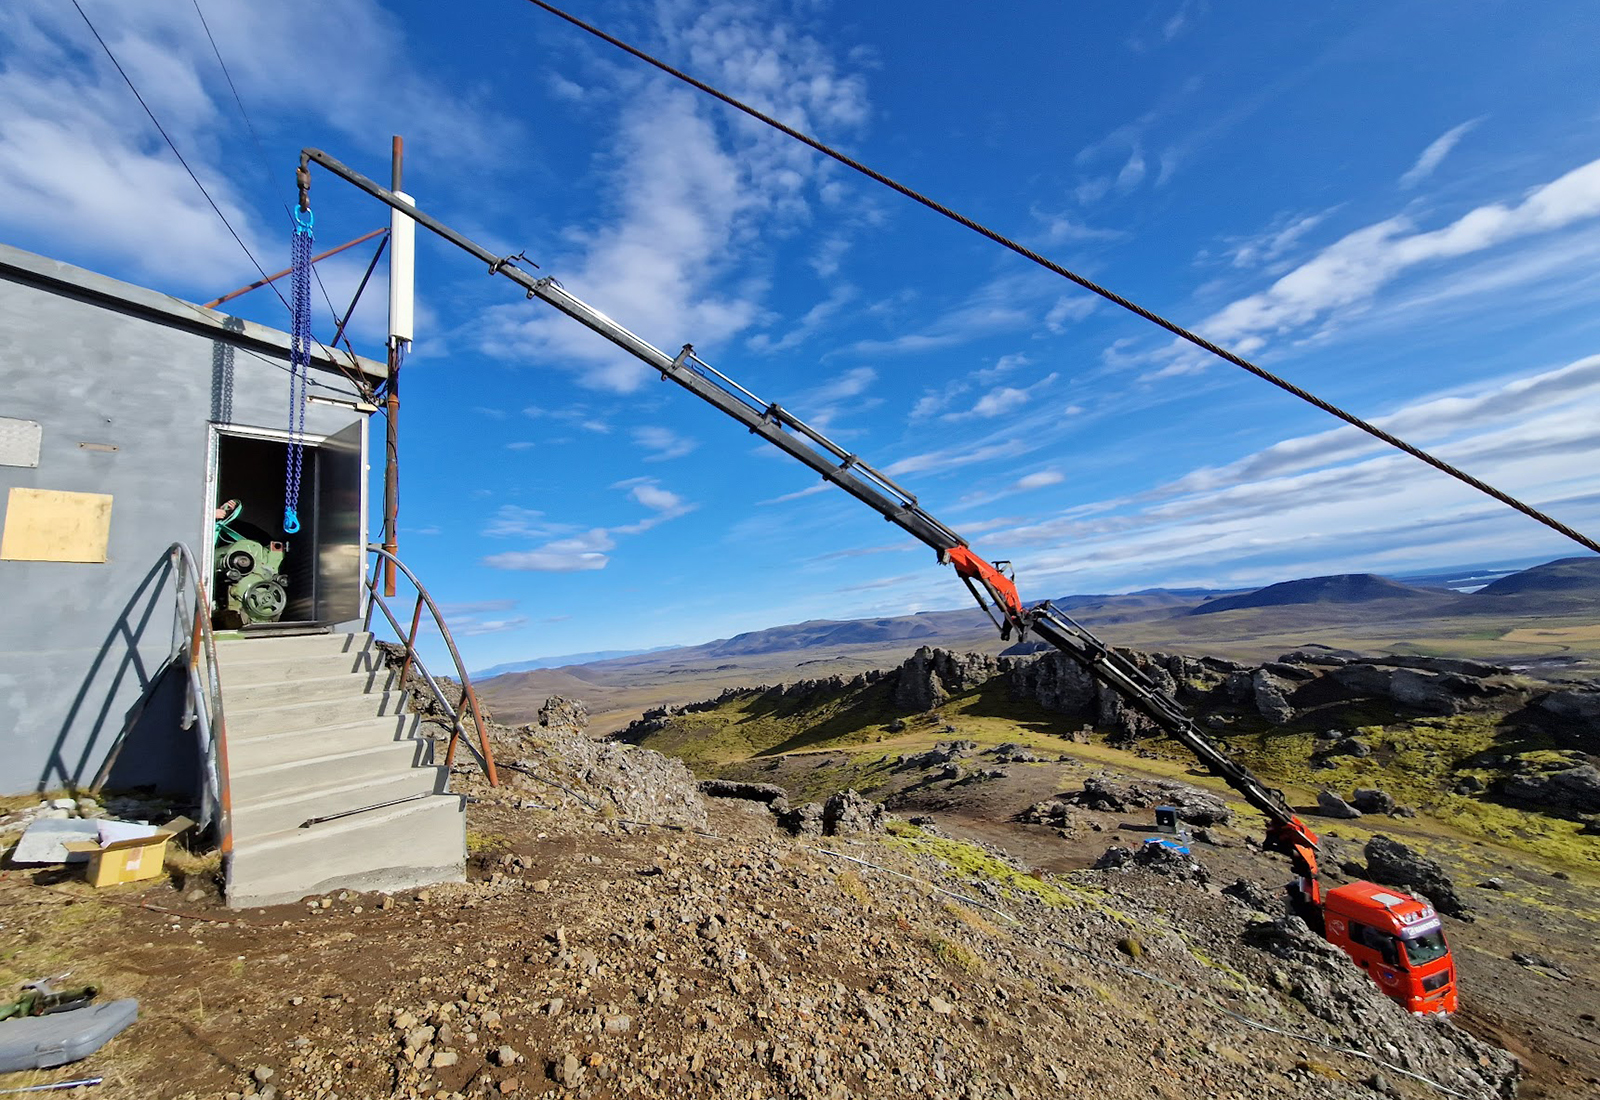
[1087, 284]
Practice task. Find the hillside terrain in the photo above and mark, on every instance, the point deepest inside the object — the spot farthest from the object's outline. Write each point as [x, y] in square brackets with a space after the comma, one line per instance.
[1545, 617]
[1491, 772]
[622, 935]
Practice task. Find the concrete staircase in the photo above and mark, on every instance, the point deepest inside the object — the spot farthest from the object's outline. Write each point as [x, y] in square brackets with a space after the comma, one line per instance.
[317, 726]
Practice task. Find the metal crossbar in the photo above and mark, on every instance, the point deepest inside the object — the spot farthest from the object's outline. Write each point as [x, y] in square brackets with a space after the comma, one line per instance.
[413, 659]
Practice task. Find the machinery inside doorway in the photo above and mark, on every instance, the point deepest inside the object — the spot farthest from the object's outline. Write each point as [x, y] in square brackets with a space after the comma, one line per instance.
[262, 574]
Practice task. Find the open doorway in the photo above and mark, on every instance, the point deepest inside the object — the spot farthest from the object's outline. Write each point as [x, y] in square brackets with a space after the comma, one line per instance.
[264, 577]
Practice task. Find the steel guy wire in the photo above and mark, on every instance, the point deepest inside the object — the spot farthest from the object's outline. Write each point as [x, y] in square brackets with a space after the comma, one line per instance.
[1087, 284]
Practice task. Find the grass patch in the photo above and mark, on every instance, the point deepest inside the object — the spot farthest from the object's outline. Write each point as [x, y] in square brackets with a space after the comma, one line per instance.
[971, 919]
[971, 861]
[955, 955]
[850, 882]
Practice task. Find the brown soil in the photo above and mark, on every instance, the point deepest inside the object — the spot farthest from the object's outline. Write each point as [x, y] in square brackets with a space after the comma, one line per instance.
[616, 959]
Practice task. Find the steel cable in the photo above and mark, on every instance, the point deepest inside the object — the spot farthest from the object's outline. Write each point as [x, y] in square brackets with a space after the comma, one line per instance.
[1088, 284]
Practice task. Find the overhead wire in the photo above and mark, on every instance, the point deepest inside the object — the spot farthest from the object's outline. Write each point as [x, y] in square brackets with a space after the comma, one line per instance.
[261, 153]
[171, 145]
[1087, 284]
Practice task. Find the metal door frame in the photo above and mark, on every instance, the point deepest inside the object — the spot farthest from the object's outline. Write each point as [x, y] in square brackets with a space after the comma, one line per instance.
[214, 434]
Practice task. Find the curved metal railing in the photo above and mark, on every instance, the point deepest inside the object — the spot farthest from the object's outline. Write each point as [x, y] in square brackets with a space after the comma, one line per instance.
[484, 754]
[203, 699]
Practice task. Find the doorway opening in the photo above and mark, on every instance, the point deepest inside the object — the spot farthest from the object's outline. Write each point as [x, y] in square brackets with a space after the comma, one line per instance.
[264, 577]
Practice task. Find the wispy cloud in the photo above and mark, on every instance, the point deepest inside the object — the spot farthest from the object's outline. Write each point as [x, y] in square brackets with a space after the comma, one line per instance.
[1338, 497]
[1434, 154]
[687, 186]
[1354, 268]
[662, 443]
[570, 548]
[82, 168]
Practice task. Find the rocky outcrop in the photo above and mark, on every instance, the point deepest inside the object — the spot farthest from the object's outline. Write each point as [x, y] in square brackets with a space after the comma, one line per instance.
[1194, 806]
[930, 676]
[847, 813]
[567, 715]
[1270, 693]
[751, 792]
[1569, 791]
[1394, 864]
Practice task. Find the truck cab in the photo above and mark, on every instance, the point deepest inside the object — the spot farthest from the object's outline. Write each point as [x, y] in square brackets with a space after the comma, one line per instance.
[1398, 940]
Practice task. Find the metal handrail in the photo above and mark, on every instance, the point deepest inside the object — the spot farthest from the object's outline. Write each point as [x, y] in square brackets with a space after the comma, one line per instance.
[412, 658]
[203, 700]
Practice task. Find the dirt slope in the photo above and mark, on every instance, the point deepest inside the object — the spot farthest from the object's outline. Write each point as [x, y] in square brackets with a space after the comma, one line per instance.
[594, 955]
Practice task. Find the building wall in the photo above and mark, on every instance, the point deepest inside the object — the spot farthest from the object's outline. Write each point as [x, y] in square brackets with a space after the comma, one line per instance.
[124, 382]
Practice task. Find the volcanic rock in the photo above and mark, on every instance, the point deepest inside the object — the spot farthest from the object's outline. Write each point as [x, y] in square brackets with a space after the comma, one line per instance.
[1394, 864]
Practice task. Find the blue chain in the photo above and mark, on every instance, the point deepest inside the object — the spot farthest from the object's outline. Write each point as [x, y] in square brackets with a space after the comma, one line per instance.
[299, 367]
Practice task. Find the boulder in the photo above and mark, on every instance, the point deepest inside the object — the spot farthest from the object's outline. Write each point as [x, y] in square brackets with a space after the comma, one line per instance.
[1114, 857]
[805, 820]
[1370, 800]
[847, 813]
[752, 792]
[1571, 790]
[565, 715]
[1331, 805]
[1394, 864]
[1271, 696]
[1015, 754]
[1253, 896]
[1052, 812]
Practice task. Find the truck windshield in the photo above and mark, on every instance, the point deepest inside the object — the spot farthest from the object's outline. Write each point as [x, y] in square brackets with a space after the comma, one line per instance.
[1425, 948]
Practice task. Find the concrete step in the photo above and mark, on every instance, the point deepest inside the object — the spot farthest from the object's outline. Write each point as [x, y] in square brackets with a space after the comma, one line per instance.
[323, 765]
[260, 668]
[273, 808]
[247, 754]
[396, 848]
[245, 723]
[246, 647]
[303, 688]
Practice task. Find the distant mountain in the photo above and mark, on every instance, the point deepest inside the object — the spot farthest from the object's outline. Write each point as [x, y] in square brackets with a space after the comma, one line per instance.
[1567, 577]
[1341, 589]
[560, 662]
[820, 633]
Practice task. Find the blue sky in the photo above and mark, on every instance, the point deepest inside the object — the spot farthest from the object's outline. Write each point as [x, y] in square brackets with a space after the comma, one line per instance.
[1396, 205]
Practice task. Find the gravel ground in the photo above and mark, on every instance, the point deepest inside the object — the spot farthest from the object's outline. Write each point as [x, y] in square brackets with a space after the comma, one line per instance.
[621, 936]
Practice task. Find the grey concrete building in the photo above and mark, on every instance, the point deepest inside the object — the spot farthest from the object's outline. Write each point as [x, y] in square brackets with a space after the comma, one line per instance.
[126, 417]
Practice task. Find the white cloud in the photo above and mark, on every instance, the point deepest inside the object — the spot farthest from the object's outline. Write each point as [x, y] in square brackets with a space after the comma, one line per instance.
[1002, 401]
[797, 333]
[689, 186]
[662, 443]
[546, 561]
[572, 549]
[1040, 480]
[83, 171]
[657, 498]
[999, 401]
[1437, 150]
[1353, 269]
[1336, 500]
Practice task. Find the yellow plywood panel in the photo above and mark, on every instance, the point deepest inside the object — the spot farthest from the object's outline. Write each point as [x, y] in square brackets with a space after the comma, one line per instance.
[50, 525]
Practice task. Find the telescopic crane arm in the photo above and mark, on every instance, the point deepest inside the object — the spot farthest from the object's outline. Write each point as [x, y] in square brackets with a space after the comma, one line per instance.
[990, 583]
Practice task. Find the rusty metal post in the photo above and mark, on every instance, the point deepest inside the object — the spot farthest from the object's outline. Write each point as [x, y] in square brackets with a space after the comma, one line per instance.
[391, 465]
[411, 641]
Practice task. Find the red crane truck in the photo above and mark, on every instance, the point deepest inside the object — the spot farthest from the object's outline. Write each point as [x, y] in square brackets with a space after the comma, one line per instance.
[1395, 938]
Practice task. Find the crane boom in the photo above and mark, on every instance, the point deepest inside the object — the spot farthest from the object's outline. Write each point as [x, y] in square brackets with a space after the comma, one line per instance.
[990, 583]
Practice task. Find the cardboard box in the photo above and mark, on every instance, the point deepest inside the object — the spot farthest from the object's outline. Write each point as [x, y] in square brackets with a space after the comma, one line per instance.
[120, 857]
